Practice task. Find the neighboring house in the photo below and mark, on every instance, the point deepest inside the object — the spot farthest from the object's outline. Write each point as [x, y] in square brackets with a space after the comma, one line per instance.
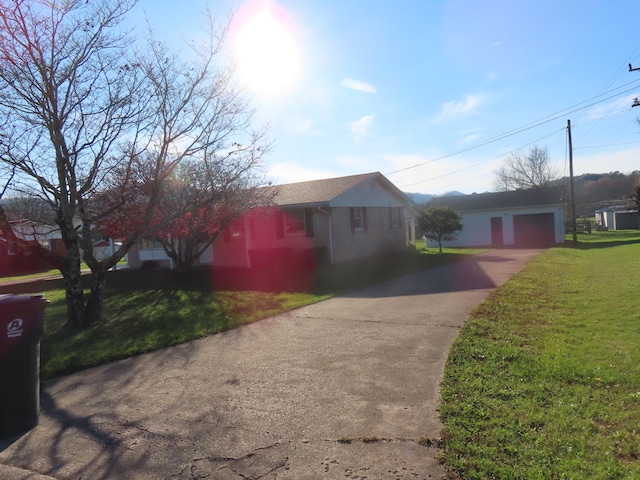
[325, 221]
[518, 218]
[105, 248]
[50, 237]
[47, 235]
[150, 253]
[617, 218]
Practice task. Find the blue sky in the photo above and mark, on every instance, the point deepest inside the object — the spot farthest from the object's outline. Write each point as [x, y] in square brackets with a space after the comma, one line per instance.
[434, 94]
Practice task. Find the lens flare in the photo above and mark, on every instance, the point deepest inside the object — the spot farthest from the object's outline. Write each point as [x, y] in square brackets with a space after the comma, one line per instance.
[265, 48]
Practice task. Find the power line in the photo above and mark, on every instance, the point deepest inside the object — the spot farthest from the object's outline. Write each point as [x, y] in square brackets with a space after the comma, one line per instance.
[602, 117]
[536, 123]
[609, 145]
[468, 167]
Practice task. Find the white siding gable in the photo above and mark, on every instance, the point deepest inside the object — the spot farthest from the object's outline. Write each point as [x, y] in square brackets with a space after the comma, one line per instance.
[368, 194]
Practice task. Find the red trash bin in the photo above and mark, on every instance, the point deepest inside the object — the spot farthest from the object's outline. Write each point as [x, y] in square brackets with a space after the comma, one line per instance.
[21, 327]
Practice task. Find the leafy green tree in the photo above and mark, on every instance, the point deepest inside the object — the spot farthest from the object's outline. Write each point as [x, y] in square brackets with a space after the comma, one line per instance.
[440, 224]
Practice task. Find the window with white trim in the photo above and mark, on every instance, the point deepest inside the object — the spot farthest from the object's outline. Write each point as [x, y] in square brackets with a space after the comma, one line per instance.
[358, 219]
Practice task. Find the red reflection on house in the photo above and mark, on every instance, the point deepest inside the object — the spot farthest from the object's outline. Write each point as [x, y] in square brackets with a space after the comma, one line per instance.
[267, 249]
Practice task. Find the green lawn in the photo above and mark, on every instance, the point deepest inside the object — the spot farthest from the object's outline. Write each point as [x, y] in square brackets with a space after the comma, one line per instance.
[150, 309]
[544, 379]
[45, 273]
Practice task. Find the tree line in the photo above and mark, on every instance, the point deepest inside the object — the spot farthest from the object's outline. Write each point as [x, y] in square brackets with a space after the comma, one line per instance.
[533, 169]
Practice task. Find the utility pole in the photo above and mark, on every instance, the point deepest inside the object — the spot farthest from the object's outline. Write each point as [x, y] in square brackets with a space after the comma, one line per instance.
[573, 199]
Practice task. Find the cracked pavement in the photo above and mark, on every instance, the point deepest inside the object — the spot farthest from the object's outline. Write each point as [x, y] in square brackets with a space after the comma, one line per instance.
[343, 389]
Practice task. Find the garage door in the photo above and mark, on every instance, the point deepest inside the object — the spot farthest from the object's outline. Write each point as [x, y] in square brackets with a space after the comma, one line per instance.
[534, 230]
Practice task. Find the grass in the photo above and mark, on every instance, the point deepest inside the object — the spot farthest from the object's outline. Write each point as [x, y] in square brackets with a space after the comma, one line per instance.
[45, 273]
[544, 379]
[146, 310]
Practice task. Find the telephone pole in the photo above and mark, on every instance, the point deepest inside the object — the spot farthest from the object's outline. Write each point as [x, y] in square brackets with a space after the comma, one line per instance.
[573, 199]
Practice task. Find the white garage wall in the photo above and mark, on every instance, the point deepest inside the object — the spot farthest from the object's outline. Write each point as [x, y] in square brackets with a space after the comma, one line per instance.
[476, 230]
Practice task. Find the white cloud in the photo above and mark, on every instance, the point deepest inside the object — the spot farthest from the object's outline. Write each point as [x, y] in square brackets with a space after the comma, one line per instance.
[469, 138]
[358, 85]
[620, 105]
[624, 161]
[467, 175]
[354, 163]
[360, 128]
[302, 125]
[292, 172]
[452, 110]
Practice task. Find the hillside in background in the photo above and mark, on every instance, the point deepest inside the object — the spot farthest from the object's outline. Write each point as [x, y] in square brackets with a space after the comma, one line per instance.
[593, 191]
[599, 190]
[423, 198]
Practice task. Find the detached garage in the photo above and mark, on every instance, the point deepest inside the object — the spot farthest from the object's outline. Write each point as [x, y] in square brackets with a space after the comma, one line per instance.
[522, 218]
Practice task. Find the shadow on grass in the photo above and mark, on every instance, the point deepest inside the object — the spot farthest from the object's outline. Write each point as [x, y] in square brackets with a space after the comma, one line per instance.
[133, 322]
[607, 239]
[605, 244]
[349, 276]
[145, 310]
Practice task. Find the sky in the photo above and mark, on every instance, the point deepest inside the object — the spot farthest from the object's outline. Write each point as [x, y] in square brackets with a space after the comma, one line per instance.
[434, 94]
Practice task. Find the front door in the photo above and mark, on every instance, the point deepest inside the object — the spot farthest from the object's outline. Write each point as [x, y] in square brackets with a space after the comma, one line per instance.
[496, 231]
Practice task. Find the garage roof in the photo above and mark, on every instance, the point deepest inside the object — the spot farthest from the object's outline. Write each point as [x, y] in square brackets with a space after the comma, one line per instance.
[513, 199]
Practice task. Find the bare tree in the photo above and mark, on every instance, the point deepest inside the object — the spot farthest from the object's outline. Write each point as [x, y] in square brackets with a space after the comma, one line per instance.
[523, 171]
[31, 208]
[90, 126]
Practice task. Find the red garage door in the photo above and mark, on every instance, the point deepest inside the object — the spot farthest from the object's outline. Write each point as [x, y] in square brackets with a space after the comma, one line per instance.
[535, 230]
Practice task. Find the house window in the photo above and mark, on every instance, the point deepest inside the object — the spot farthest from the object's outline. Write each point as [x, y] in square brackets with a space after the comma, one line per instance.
[395, 217]
[358, 219]
[294, 222]
[234, 231]
[237, 229]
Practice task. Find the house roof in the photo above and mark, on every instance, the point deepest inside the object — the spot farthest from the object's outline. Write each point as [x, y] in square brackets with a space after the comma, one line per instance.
[617, 209]
[513, 199]
[317, 192]
[626, 211]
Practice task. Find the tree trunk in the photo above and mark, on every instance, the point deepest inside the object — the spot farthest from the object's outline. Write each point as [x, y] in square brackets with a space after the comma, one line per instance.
[73, 289]
[93, 309]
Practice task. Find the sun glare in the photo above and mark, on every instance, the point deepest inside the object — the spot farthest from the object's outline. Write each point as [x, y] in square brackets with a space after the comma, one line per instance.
[266, 51]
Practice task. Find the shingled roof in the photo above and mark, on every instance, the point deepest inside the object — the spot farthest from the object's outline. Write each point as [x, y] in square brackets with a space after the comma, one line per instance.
[316, 192]
[490, 201]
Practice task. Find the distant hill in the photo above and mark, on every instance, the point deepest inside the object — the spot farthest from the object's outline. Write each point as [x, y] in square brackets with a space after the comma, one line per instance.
[599, 190]
[422, 198]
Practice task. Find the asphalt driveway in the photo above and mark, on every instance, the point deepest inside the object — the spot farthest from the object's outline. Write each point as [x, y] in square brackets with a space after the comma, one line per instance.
[344, 389]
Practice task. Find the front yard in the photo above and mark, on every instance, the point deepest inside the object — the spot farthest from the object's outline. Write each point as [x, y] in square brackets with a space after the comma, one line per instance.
[544, 379]
[146, 310]
[542, 382]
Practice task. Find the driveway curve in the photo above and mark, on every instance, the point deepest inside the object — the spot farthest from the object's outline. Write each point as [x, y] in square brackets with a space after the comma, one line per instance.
[343, 389]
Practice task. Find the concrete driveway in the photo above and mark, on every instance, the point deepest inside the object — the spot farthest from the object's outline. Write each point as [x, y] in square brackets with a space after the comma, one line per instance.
[344, 389]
